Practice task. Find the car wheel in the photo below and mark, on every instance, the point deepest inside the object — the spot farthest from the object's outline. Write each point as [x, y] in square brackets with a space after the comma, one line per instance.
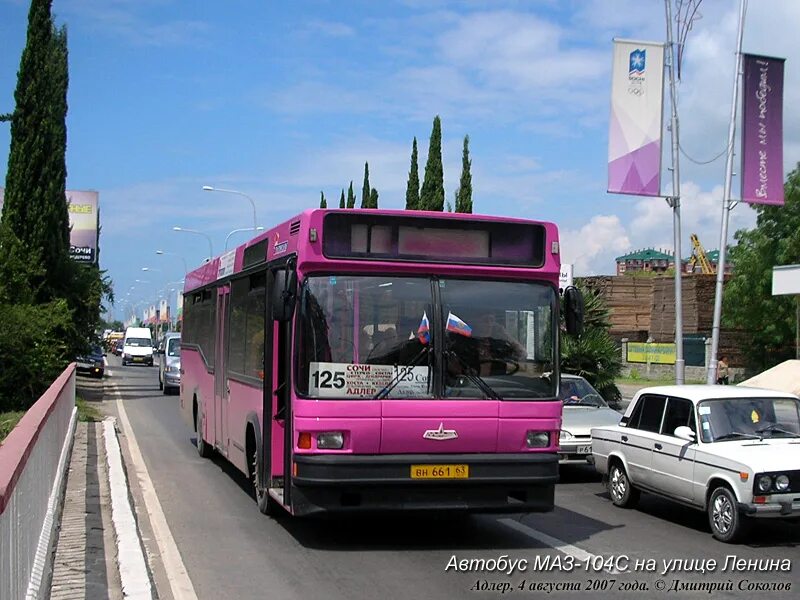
[622, 493]
[203, 447]
[727, 523]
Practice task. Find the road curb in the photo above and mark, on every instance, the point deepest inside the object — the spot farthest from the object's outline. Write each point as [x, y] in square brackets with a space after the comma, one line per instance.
[133, 571]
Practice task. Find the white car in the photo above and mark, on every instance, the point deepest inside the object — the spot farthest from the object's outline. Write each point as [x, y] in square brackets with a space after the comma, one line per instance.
[584, 408]
[744, 464]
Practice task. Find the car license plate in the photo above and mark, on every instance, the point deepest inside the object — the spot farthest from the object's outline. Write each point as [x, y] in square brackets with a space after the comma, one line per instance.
[83, 365]
[584, 449]
[439, 471]
[138, 358]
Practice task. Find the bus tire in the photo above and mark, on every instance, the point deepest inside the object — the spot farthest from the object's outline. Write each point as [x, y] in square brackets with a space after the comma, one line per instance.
[203, 447]
[266, 503]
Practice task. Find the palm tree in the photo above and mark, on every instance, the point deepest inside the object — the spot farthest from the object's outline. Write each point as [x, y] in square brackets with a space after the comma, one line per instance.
[593, 354]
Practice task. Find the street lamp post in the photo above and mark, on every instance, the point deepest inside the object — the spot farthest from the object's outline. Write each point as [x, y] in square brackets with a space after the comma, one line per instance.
[205, 235]
[185, 267]
[239, 231]
[211, 188]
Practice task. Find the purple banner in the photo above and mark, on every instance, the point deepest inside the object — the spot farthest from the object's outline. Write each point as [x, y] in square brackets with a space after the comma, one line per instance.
[762, 130]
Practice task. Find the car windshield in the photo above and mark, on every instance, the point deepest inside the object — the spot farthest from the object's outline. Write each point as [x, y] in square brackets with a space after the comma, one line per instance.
[138, 342]
[174, 347]
[739, 418]
[375, 337]
[576, 391]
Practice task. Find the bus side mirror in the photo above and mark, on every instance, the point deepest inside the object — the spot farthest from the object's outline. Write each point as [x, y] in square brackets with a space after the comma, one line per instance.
[284, 293]
[573, 310]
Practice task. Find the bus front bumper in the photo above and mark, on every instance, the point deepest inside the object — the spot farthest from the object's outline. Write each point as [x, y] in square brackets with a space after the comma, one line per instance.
[376, 483]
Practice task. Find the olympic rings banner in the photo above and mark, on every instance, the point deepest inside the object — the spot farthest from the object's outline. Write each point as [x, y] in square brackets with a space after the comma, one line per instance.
[634, 140]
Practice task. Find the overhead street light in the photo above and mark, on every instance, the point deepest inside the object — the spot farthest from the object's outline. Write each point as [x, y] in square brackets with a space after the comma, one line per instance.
[205, 235]
[185, 267]
[211, 188]
[239, 231]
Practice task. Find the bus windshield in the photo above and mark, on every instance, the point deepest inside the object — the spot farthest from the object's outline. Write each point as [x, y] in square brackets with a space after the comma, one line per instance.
[375, 336]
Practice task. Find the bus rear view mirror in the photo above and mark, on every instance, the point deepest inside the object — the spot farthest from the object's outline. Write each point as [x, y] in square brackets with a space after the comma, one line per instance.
[573, 310]
[284, 293]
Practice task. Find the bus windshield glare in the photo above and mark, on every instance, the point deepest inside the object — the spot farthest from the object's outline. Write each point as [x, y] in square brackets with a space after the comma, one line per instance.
[378, 336]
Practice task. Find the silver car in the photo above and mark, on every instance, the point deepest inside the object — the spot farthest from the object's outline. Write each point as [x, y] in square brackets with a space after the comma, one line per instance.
[169, 363]
[584, 408]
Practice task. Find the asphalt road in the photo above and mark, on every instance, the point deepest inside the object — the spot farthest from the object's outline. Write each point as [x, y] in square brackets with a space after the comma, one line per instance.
[232, 551]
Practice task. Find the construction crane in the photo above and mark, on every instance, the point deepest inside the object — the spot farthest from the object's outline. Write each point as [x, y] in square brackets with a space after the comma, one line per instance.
[699, 256]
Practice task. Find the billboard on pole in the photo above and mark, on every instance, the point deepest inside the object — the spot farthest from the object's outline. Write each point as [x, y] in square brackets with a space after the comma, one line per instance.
[634, 139]
[762, 130]
[83, 222]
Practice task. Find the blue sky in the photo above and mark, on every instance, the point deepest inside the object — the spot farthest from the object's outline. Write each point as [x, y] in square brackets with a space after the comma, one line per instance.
[280, 100]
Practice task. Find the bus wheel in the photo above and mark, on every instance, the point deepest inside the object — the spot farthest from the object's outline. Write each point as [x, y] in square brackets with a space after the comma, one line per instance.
[266, 504]
[203, 448]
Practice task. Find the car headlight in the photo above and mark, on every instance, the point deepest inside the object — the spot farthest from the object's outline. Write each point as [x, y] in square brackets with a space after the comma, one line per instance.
[764, 483]
[782, 483]
[537, 439]
[564, 435]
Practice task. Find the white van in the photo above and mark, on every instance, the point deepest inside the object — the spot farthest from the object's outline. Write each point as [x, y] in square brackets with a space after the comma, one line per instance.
[137, 346]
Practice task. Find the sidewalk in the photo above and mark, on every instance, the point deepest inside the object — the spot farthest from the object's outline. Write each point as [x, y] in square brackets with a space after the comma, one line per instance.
[85, 563]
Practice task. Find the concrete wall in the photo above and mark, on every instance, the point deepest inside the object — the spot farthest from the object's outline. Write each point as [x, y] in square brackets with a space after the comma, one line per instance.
[33, 459]
[657, 371]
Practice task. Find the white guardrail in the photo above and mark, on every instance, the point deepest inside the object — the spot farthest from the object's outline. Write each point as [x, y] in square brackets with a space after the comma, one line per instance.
[33, 461]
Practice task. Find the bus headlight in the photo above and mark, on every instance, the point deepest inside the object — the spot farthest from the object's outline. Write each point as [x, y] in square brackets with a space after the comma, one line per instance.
[764, 483]
[782, 483]
[330, 440]
[537, 439]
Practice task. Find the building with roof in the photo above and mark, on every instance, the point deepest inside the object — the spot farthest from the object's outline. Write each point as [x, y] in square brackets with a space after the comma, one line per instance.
[648, 260]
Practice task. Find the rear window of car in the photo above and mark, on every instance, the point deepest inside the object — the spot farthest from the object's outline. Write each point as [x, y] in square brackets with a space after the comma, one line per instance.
[647, 413]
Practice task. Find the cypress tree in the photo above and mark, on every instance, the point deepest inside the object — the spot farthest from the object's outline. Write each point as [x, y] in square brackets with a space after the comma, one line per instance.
[351, 197]
[373, 198]
[35, 202]
[432, 195]
[322, 202]
[341, 200]
[464, 197]
[412, 189]
[365, 189]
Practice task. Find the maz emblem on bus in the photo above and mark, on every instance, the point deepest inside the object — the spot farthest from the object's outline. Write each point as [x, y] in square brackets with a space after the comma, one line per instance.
[440, 434]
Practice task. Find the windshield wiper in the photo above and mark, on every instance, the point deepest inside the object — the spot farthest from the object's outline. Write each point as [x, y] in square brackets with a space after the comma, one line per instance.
[473, 377]
[774, 428]
[735, 434]
[402, 372]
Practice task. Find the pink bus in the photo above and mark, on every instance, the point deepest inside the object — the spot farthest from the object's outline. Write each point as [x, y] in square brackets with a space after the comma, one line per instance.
[369, 360]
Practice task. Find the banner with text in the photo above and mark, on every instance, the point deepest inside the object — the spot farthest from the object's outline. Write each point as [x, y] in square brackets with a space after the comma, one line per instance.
[643, 352]
[762, 130]
[634, 138]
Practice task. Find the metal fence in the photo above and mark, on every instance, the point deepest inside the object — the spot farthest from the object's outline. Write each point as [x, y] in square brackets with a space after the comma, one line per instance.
[33, 459]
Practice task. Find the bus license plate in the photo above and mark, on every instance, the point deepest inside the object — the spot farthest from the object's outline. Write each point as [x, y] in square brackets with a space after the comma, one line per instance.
[439, 471]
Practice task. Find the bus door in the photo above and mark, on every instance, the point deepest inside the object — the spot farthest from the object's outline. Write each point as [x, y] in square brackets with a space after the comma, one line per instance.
[221, 389]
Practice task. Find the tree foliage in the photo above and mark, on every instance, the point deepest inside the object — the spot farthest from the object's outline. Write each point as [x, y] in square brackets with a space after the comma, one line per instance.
[767, 321]
[322, 202]
[373, 198]
[366, 189]
[594, 354]
[341, 200]
[351, 197]
[464, 196]
[432, 195]
[412, 188]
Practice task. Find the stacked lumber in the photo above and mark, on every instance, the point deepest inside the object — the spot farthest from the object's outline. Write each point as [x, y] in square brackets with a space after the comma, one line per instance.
[698, 306]
[629, 300]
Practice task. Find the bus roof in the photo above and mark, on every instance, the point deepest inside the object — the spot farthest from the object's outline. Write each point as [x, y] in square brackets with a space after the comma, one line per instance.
[303, 234]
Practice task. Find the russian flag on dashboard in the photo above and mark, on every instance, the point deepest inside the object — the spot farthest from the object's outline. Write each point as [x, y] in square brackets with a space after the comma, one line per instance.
[423, 331]
[456, 325]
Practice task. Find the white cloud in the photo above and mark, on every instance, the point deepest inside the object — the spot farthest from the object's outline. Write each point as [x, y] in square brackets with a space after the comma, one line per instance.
[593, 247]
